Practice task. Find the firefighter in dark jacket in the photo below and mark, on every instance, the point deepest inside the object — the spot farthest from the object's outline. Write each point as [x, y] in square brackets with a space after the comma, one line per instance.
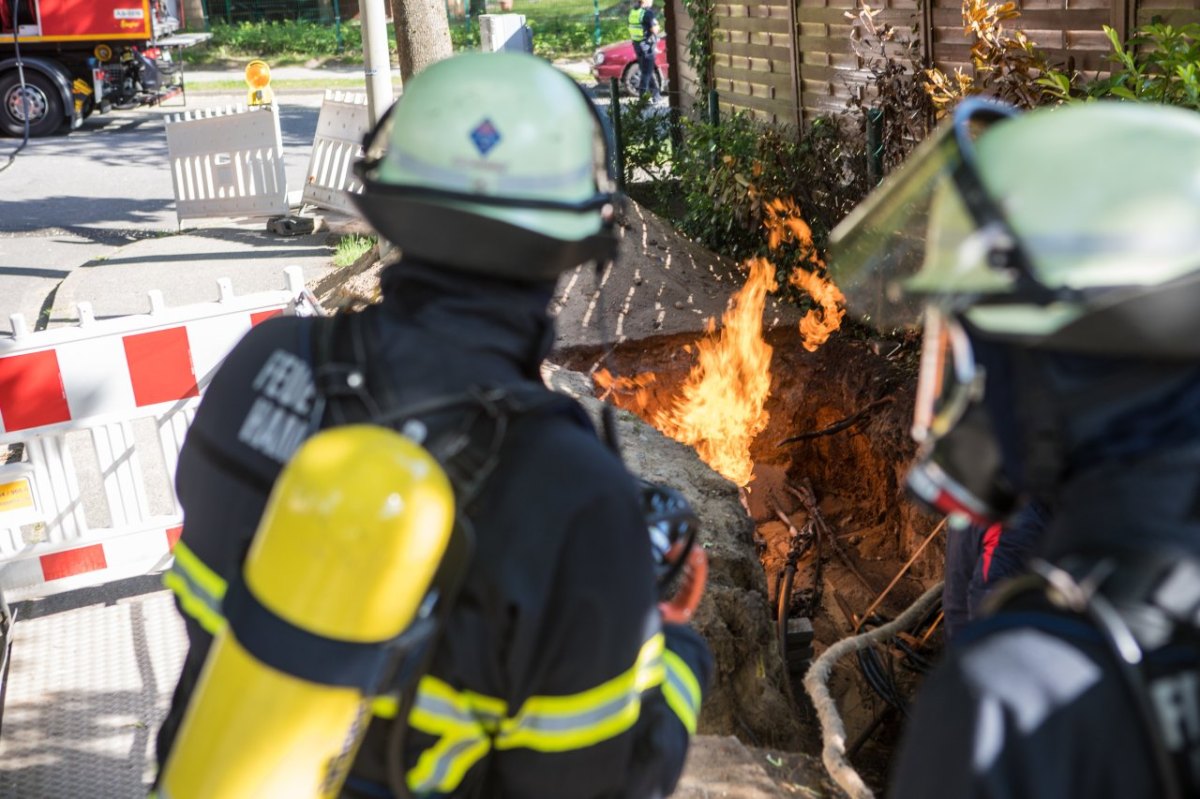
[1057, 256]
[557, 674]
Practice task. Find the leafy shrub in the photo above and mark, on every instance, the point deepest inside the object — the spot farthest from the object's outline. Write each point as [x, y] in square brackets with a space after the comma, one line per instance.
[646, 135]
[1160, 63]
[1008, 66]
[281, 42]
[559, 37]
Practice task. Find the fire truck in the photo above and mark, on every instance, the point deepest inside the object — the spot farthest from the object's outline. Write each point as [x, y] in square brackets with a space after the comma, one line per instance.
[62, 60]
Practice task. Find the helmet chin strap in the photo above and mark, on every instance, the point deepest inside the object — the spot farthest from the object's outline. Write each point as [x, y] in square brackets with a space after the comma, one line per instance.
[960, 471]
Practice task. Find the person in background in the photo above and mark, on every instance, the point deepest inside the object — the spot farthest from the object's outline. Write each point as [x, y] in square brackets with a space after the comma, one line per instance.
[644, 31]
[981, 556]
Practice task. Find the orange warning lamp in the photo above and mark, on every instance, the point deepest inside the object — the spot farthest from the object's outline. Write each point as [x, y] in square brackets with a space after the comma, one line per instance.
[258, 78]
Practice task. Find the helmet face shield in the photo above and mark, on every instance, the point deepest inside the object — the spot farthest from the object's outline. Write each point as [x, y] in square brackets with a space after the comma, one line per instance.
[928, 228]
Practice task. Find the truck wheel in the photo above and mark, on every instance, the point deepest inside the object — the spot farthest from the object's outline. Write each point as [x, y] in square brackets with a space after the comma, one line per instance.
[45, 105]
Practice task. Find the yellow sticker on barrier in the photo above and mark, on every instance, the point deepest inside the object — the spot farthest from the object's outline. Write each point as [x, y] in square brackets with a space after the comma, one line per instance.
[16, 496]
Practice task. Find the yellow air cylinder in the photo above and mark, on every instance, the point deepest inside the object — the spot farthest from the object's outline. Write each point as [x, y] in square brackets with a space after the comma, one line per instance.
[346, 550]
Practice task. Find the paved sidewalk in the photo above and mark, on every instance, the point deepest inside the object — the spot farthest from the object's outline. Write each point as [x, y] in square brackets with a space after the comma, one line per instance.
[186, 267]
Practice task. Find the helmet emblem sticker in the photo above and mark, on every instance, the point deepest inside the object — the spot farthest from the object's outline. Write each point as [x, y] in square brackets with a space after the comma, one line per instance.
[485, 136]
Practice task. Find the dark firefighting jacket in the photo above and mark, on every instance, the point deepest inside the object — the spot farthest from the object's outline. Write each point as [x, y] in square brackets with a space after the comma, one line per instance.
[554, 676]
[1033, 702]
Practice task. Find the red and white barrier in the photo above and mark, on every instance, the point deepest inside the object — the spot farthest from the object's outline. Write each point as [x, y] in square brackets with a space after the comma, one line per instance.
[79, 399]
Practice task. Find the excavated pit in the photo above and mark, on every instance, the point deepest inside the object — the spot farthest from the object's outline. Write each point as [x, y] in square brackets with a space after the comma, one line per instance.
[856, 475]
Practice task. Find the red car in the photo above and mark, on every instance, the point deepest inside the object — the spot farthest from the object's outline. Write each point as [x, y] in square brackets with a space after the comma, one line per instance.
[618, 61]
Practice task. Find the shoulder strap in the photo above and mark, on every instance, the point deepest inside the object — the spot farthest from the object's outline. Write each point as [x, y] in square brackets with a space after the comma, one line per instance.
[468, 449]
[348, 391]
[1077, 590]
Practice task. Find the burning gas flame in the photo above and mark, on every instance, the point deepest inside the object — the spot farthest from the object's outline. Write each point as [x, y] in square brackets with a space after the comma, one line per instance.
[784, 224]
[721, 407]
[637, 386]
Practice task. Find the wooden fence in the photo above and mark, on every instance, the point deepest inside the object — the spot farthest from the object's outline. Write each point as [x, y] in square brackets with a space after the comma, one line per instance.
[788, 61]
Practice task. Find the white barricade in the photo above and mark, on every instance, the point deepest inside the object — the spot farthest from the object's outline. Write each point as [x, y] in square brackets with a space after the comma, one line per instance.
[341, 126]
[227, 162]
[102, 409]
[504, 32]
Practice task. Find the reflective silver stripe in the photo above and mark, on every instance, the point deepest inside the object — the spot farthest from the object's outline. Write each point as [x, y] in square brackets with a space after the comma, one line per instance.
[575, 721]
[681, 690]
[515, 185]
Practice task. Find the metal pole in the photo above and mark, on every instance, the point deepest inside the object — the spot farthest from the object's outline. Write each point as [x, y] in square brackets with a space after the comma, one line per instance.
[596, 11]
[377, 64]
[614, 92]
[337, 22]
[874, 145]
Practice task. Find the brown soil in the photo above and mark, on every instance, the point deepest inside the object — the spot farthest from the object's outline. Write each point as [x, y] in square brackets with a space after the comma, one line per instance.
[856, 475]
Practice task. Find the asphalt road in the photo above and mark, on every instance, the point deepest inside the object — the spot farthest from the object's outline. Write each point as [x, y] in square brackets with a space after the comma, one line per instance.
[73, 198]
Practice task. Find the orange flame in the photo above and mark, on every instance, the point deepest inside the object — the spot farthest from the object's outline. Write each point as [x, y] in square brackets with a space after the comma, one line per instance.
[637, 385]
[722, 406]
[784, 224]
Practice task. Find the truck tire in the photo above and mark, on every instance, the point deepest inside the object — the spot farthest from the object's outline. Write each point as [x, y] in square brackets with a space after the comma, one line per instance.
[46, 113]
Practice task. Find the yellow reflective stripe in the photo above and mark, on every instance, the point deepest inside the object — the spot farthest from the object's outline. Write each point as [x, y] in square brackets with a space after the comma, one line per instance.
[681, 689]
[561, 723]
[482, 708]
[198, 572]
[454, 718]
[441, 767]
[385, 707]
[199, 588]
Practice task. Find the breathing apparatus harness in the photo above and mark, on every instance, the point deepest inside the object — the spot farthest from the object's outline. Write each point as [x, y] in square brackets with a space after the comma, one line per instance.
[1148, 606]
[469, 452]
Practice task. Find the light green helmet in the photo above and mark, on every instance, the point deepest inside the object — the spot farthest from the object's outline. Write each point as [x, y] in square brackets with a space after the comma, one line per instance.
[494, 163]
[1075, 228]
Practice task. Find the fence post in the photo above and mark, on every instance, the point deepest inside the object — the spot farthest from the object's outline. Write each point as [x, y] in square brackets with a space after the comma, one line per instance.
[337, 24]
[714, 108]
[614, 93]
[874, 145]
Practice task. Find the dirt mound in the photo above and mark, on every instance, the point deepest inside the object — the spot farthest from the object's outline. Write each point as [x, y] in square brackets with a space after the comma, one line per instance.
[848, 407]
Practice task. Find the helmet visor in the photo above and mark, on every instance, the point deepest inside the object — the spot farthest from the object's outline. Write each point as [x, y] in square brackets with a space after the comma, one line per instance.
[878, 250]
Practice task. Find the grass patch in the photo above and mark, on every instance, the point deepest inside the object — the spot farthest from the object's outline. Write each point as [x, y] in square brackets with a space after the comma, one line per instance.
[561, 29]
[350, 248]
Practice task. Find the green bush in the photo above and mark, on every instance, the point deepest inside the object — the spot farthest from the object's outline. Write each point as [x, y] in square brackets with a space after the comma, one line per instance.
[646, 135]
[559, 38]
[1160, 63]
[281, 42]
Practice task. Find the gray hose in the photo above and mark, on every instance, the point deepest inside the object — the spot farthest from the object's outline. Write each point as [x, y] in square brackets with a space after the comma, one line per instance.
[816, 683]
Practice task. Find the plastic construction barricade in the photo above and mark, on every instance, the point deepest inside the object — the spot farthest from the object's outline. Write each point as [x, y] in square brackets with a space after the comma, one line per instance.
[341, 126]
[100, 410]
[227, 162]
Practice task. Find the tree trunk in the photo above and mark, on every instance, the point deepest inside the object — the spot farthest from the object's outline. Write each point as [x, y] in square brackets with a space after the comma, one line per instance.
[193, 15]
[422, 34]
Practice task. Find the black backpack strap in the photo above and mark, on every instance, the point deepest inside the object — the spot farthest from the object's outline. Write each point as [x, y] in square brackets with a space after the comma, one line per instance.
[1093, 590]
[468, 446]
